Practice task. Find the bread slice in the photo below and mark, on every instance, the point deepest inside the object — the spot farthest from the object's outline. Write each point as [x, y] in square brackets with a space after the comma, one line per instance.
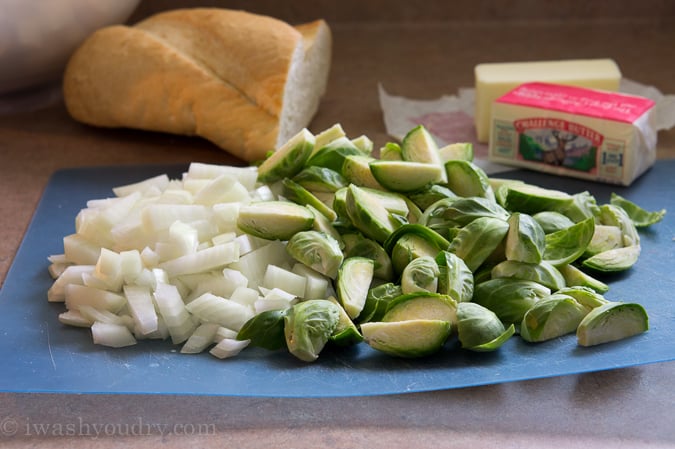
[245, 82]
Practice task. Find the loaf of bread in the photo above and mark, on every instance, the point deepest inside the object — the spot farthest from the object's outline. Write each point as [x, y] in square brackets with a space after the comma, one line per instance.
[243, 81]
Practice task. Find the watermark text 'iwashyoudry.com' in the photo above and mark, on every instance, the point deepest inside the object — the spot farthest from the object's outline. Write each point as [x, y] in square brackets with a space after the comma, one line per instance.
[10, 427]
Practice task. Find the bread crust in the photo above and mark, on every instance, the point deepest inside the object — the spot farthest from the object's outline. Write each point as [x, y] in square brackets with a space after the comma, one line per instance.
[219, 74]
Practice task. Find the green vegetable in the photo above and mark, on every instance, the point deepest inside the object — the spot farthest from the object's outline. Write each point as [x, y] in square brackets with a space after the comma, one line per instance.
[604, 238]
[353, 282]
[640, 217]
[509, 298]
[455, 278]
[575, 277]
[479, 329]
[477, 240]
[551, 221]
[460, 212]
[421, 274]
[265, 329]
[360, 246]
[368, 214]
[316, 250]
[405, 176]
[612, 321]
[556, 315]
[566, 246]
[467, 179]
[287, 160]
[274, 220]
[531, 199]
[345, 333]
[407, 339]
[456, 151]
[542, 273]
[378, 300]
[525, 241]
[421, 305]
[307, 327]
[333, 154]
[428, 196]
[356, 170]
[299, 195]
[320, 179]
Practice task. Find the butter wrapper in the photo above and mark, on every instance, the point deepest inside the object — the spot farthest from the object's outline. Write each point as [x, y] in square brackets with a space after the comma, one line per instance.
[571, 131]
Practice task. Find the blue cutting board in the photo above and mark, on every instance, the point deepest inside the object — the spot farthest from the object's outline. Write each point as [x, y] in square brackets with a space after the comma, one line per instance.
[41, 355]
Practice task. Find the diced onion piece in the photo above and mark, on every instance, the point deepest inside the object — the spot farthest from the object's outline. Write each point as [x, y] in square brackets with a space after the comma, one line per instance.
[254, 264]
[210, 308]
[316, 286]
[109, 269]
[74, 318]
[248, 176]
[227, 348]
[78, 295]
[200, 339]
[71, 275]
[204, 260]
[173, 311]
[160, 182]
[113, 335]
[157, 217]
[80, 250]
[224, 332]
[104, 316]
[223, 189]
[245, 296]
[142, 308]
[293, 283]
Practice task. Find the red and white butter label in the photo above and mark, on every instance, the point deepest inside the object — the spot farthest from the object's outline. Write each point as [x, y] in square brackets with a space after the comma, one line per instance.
[572, 131]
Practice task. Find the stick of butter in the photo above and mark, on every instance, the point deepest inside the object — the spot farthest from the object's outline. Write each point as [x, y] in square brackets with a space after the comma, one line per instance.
[572, 131]
[495, 79]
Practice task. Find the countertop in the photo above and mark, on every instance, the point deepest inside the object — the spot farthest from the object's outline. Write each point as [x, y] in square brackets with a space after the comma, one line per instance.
[421, 58]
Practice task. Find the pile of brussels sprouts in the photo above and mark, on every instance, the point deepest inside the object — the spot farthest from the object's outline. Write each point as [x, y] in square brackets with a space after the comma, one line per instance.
[421, 246]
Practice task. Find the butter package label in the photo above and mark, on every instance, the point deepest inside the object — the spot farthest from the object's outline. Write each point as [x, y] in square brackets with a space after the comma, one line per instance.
[572, 131]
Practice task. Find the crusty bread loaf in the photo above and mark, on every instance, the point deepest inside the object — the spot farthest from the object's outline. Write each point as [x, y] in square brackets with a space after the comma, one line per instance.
[243, 81]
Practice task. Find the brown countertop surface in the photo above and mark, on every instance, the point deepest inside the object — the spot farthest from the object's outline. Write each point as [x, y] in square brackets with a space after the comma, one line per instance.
[419, 58]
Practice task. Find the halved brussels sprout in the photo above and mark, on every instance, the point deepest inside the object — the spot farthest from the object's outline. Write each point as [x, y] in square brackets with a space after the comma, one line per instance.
[407, 339]
[613, 260]
[479, 329]
[455, 279]
[454, 151]
[525, 241]
[405, 176]
[582, 207]
[640, 217]
[611, 322]
[467, 179]
[345, 333]
[426, 197]
[353, 282]
[576, 277]
[460, 212]
[411, 241]
[356, 170]
[300, 195]
[359, 246]
[320, 179]
[552, 221]
[476, 241]
[368, 214]
[288, 159]
[615, 216]
[316, 250]
[378, 300]
[566, 246]
[333, 154]
[265, 329]
[391, 151]
[542, 273]
[604, 238]
[530, 199]
[420, 275]
[508, 298]
[422, 306]
[274, 220]
[556, 315]
[585, 296]
[308, 325]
